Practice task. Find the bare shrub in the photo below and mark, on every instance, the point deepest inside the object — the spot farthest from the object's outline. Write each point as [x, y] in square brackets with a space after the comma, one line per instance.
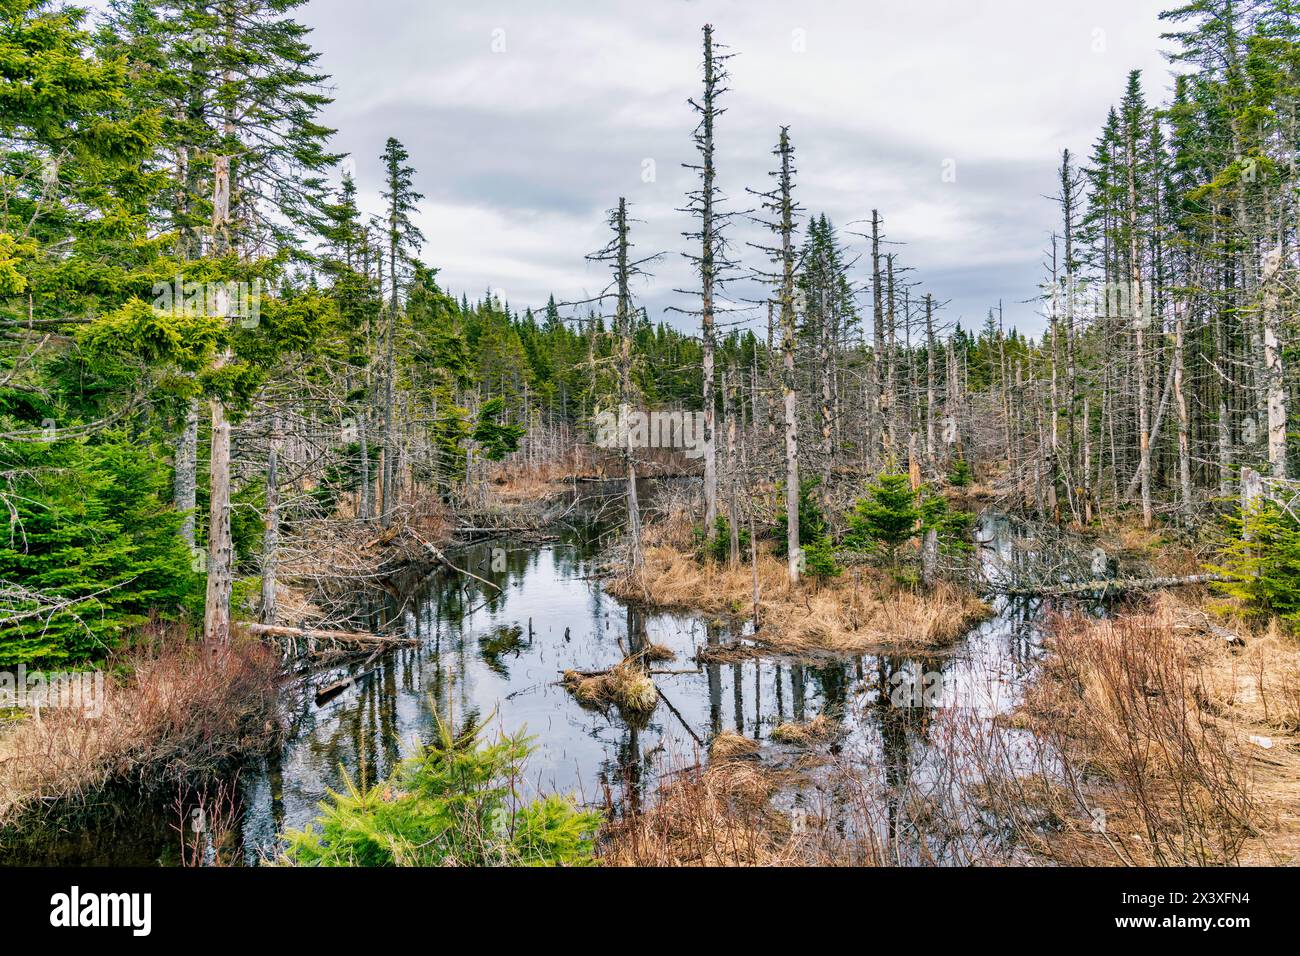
[208, 822]
[1124, 702]
[173, 710]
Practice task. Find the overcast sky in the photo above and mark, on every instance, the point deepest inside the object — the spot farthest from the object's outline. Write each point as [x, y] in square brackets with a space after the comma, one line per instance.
[526, 121]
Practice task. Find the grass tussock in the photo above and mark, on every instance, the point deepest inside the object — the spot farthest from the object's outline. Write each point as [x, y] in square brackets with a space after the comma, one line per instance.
[821, 729]
[849, 615]
[625, 685]
[723, 814]
[1181, 748]
[716, 816]
[730, 745]
[172, 711]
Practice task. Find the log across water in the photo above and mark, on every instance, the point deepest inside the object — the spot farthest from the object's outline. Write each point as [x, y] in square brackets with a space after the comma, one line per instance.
[1108, 586]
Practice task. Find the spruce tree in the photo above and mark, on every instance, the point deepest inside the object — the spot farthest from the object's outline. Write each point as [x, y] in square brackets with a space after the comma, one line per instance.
[886, 517]
[403, 239]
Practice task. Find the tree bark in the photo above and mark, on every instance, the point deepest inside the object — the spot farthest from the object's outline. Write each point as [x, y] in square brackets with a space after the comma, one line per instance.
[216, 615]
[1180, 405]
[789, 389]
[271, 525]
[1274, 379]
[708, 278]
[185, 481]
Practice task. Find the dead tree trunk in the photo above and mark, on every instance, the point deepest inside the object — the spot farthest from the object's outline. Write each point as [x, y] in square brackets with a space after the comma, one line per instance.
[271, 525]
[185, 482]
[1274, 379]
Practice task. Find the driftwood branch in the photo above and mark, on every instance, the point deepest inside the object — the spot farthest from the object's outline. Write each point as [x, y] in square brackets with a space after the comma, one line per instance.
[347, 637]
[1105, 586]
[440, 558]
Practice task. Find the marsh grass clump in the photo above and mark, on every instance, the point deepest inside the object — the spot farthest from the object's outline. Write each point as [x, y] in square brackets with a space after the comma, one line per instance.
[746, 782]
[712, 816]
[849, 614]
[632, 692]
[730, 745]
[659, 653]
[454, 803]
[588, 690]
[820, 729]
[626, 686]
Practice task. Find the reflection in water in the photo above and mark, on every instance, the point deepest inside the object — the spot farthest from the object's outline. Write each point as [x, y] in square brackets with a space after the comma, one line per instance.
[497, 655]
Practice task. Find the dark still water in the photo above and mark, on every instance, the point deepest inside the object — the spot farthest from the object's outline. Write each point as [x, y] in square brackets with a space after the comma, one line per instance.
[484, 653]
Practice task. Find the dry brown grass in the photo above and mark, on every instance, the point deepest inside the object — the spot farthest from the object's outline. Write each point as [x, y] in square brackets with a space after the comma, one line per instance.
[513, 477]
[182, 711]
[625, 685]
[717, 816]
[849, 615]
[974, 493]
[730, 745]
[1161, 723]
[659, 653]
[807, 734]
[529, 486]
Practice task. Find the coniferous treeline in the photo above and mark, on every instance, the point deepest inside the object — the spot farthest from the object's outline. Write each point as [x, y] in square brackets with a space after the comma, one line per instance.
[307, 362]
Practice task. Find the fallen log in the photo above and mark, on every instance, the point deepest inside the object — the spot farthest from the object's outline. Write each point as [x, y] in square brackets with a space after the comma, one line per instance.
[488, 529]
[1109, 586]
[347, 637]
[326, 694]
[440, 558]
[678, 714]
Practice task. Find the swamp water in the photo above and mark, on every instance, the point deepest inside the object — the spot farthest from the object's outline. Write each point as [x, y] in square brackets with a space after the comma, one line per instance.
[484, 653]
